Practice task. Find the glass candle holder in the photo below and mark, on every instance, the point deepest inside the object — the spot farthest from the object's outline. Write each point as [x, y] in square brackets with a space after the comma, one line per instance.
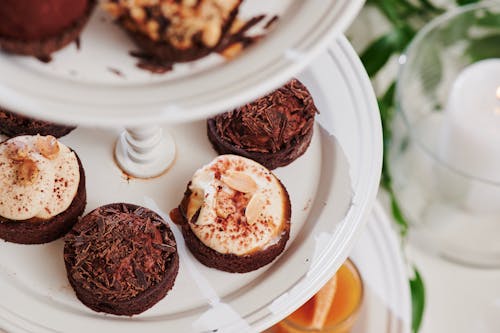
[444, 156]
[344, 310]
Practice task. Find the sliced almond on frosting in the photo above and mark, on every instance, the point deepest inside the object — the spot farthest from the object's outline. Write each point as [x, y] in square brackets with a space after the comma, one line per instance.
[322, 303]
[18, 151]
[254, 208]
[239, 181]
[195, 203]
[27, 172]
[47, 146]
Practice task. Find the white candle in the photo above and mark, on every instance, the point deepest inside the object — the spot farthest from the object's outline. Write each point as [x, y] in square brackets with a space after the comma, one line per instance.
[472, 130]
[471, 136]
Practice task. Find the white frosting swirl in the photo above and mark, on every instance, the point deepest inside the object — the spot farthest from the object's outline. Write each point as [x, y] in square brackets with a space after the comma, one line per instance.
[49, 193]
[222, 223]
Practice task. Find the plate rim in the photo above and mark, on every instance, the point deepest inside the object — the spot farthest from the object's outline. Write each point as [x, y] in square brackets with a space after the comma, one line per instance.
[191, 110]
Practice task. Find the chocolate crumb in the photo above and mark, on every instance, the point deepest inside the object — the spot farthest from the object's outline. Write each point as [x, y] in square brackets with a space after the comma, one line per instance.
[271, 22]
[149, 63]
[115, 71]
[45, 59]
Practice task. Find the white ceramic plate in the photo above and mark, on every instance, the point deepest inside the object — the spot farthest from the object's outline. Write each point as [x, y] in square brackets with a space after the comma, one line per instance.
[386, 307]
[386, 304]
[332, 188]
[80, 86]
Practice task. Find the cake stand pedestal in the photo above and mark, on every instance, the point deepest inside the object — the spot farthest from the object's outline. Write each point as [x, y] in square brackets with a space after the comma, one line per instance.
[145, 151]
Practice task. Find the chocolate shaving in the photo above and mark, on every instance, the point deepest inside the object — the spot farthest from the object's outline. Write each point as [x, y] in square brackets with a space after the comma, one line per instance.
[150, 63]
[45, 59]
[115, 71]
[271, 22]
[270, 123]
[240, 36]
[118, 253]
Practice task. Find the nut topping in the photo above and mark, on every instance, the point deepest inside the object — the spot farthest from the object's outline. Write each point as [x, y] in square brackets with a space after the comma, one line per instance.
[189, 3]
[138, 14]
[27, 172]
[254, 209]
[240, 182]
[47, 146]
[18, 151]
[181, 23]
[212, 33]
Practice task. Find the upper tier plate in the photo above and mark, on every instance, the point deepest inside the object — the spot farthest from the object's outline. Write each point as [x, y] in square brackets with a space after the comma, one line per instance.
[100, 84]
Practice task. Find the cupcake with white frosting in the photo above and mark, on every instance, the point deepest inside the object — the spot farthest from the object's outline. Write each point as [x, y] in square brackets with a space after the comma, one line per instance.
[235, 215]
[42, 189]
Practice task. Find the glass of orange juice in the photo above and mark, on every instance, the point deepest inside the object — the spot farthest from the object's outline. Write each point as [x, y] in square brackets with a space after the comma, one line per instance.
[334, 309]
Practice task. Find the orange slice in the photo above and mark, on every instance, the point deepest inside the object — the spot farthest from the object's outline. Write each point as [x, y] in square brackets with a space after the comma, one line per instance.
[322, 303]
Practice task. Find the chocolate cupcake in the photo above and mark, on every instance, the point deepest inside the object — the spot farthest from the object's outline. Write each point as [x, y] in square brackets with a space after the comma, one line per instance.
[38, 28]
[175, 31]
[12, 124]
[121, 259]
[274, 130]
[43, 189]
[235, 215]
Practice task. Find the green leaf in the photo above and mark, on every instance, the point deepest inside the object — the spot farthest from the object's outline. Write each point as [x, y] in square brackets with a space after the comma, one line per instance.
[484, 48]
[386, 106]
[431, 67]
[417, 289]
[466, 2]
[489, 19]
[430, 6]
[455, 30]
[380, 51]
[398, 216]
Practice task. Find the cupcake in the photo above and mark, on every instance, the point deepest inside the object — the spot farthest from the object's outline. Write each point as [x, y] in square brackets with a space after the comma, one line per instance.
[38, 28]
[175, 31]
[274, 130]
[121, 259]
[235, 215]
[42, 191]
[12, 124]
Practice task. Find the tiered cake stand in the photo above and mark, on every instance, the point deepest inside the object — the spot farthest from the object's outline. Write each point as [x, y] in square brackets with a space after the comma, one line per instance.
[332, 187]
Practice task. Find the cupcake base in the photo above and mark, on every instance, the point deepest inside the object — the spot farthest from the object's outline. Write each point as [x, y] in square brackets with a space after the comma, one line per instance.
[37, 231]
[45, 47]
[12, 124]
[142, 301]
[230, 262]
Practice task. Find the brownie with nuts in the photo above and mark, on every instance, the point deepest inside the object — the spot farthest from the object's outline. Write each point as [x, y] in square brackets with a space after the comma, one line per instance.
[121, 259]
[12, 124]
[175, 31]
[39, 28]
[43, 189]
[274, 130]
[235, 215]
